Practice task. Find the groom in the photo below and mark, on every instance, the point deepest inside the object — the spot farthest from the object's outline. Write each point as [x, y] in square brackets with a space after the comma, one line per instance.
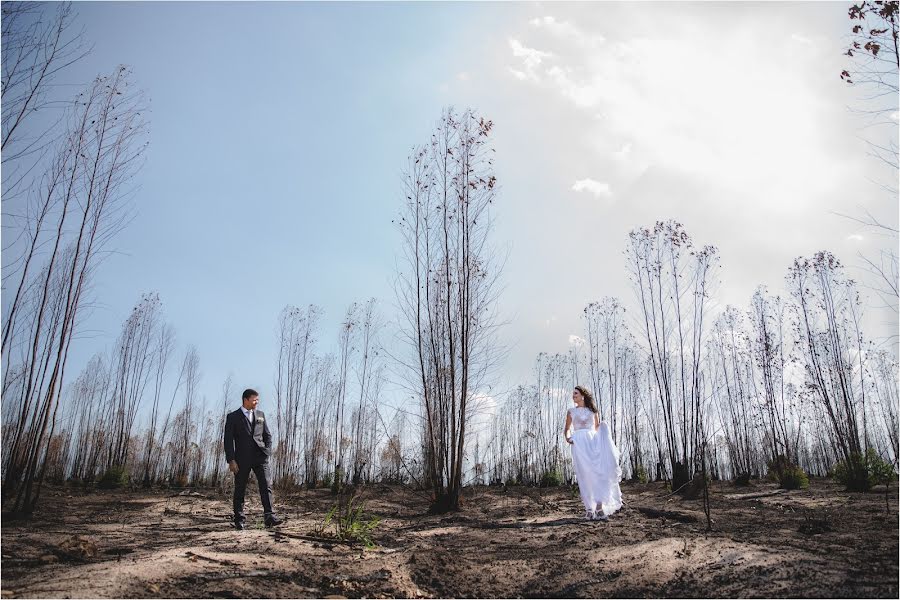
[248, 444]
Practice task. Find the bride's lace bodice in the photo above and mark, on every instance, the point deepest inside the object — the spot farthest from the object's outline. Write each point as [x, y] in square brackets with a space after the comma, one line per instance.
[582, 417]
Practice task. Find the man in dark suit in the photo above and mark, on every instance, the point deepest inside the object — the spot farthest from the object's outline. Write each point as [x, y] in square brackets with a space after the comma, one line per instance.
[248, 444]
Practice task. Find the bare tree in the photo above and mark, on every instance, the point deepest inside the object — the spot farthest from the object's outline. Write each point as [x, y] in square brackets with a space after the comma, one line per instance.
[38, 43]
[293, 403]
[447, 288]
[134, 360]
[185, 424]
[163, 347]
[733, 391]
[369, 372]
[346, 352]
[607, 336]
[829, 342]
[321, 392]
[885, 389]
[88, 396]
[874, 60]
[96, 160]
[228, 396]
[665, 269]
[771, 357]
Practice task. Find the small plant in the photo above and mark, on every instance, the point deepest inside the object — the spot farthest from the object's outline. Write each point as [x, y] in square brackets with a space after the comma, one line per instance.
[113, 478]
[576, 491]
[880, 470]
[788, 475]
[815, 524]
[551, 478]
[640, 475]
[348, 521]
[337, 482]
[327, 479]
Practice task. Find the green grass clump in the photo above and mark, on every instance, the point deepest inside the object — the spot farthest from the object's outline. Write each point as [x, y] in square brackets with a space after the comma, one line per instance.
[114, 478]
[788, 475]
[349, 523]
[551, 478]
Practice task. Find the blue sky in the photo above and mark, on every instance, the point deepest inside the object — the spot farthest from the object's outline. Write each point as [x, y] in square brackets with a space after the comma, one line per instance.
[279, 131]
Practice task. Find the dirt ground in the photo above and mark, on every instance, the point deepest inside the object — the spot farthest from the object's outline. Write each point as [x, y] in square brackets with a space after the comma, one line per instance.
[515, 542]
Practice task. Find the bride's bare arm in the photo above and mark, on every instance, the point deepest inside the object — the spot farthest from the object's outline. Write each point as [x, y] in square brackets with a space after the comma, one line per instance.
[566, 427]
[596, 421]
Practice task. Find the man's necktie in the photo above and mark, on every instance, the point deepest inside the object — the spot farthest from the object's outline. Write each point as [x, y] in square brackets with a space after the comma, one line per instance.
[252, 420]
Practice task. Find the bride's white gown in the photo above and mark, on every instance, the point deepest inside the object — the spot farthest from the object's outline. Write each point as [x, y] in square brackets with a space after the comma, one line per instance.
[596, 461]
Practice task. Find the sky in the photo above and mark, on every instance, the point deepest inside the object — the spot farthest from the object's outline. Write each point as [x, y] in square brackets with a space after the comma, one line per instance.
[279, 132]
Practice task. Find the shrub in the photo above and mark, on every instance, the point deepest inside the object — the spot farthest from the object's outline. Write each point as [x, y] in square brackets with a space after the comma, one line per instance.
[551, 478]
[337, 481]
[640, 475]
[114, 477]
[880, 470]
[742, 479]
[794, 478]
[788, 475]
[860, 473]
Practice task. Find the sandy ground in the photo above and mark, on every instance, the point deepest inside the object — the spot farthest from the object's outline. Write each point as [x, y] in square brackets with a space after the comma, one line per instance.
[516, 542]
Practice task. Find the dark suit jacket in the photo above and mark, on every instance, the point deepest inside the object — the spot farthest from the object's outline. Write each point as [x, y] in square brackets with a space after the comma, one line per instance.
[244, 446]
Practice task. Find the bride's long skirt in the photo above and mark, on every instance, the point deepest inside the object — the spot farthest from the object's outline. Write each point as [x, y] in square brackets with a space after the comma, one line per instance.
[597, 468]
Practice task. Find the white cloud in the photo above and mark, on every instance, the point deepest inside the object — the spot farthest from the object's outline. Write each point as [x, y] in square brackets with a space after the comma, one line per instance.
[895, 116]
[855, 237]
[463, 76]
[661, 95]
[567, 30]
[531, 57]
[518, 74]
[444, 87]
[576, 340]
[597, 188]
[801, 38]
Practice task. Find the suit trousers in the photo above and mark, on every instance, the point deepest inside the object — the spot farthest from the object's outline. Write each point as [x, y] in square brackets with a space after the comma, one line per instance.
[263, 478]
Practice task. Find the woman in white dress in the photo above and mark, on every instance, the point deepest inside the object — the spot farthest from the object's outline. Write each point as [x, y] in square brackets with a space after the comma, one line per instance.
[595, 456]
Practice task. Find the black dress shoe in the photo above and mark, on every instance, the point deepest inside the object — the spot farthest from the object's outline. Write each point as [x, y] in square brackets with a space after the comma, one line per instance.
[274, 522]
[238, 524]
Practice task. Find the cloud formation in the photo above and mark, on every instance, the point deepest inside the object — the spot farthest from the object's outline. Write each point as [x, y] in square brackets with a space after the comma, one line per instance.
[597, 188]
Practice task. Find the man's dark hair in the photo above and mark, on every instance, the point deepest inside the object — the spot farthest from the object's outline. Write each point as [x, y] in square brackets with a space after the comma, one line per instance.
[249, 393]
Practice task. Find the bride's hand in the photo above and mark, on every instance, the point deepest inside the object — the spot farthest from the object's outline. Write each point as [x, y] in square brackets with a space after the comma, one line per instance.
[570, 440]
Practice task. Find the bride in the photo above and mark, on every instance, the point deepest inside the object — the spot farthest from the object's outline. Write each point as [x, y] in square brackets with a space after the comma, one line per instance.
[595, 456]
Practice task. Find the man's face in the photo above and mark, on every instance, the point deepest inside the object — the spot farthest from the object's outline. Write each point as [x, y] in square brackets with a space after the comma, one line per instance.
[251, 402]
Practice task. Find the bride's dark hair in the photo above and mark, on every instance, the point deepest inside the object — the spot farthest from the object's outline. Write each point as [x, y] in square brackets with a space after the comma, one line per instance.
[588, 397]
